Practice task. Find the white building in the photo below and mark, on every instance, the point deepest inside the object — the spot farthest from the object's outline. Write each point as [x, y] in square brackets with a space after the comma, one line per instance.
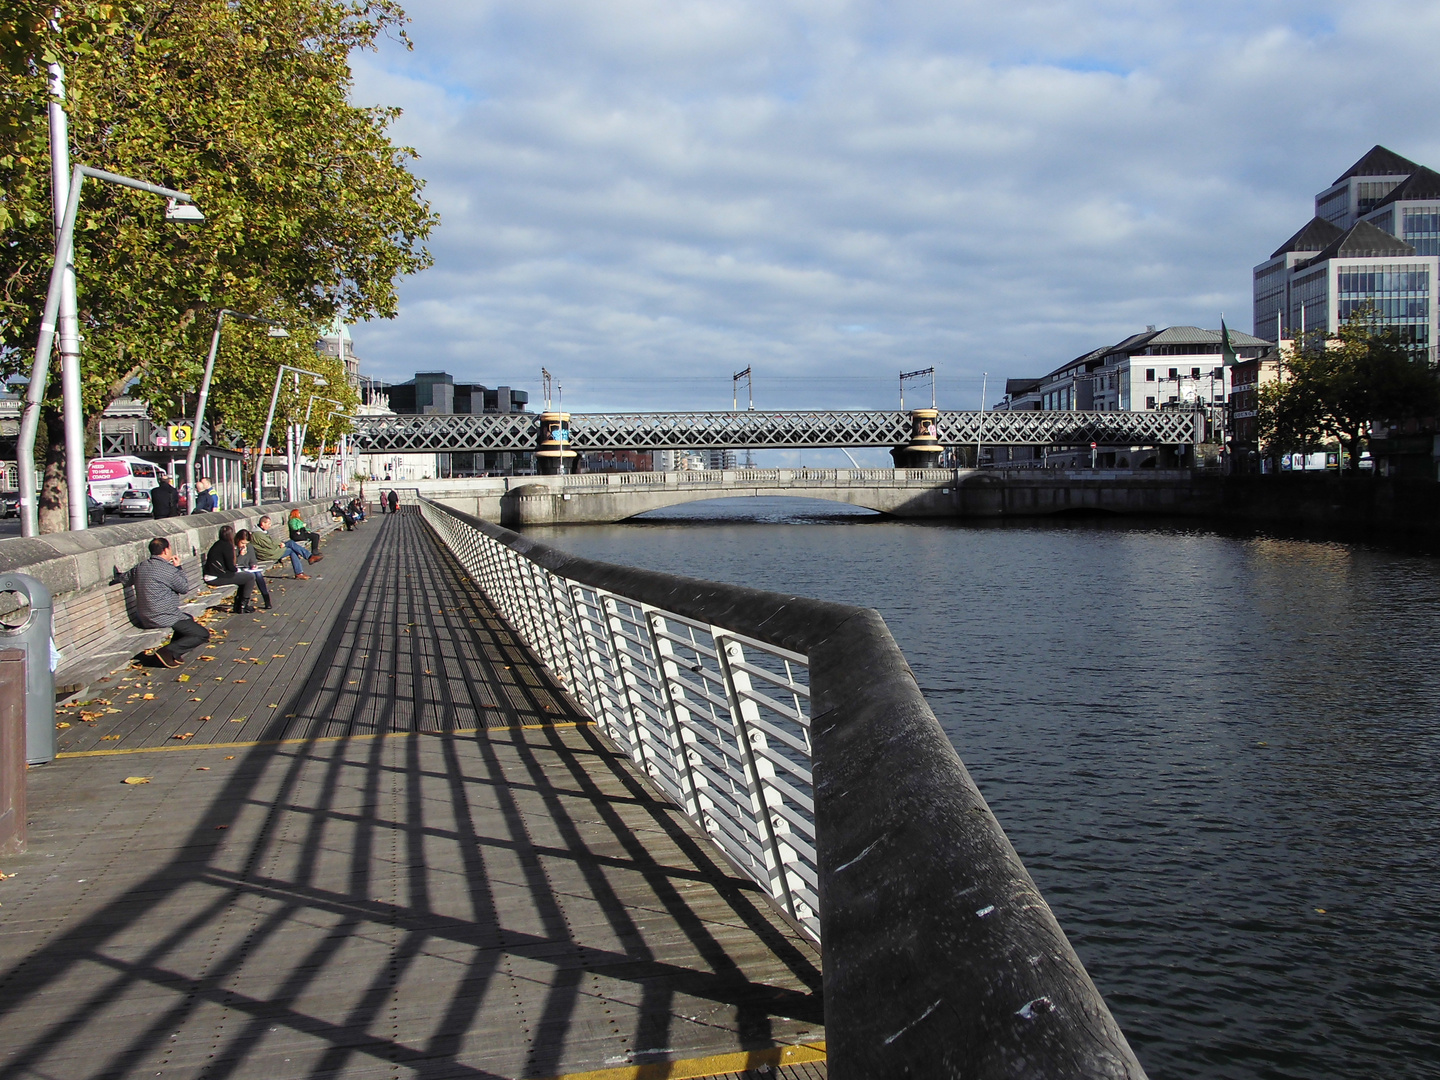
[1374, 241]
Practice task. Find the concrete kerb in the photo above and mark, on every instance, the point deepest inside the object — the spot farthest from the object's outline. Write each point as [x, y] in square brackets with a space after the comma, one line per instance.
[940, 956]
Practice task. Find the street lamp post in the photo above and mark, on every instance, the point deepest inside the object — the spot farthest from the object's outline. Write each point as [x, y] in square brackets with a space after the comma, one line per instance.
[181, 208]
[275, 331]
[270, 419]
[304, 432]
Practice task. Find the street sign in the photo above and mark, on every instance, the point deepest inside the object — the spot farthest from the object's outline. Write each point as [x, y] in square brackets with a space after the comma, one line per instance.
[180, 434]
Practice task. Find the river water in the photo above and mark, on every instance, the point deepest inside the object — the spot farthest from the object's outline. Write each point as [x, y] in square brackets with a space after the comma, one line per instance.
[1217, 754]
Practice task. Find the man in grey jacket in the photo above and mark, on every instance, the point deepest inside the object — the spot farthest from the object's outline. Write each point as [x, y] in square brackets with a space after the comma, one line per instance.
[159, 584]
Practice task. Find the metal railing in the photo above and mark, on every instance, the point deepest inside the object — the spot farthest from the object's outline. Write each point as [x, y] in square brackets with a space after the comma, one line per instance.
[793, 733]
[464, 432]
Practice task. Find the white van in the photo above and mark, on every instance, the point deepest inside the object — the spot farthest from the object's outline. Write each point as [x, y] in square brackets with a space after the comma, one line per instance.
[109, 478]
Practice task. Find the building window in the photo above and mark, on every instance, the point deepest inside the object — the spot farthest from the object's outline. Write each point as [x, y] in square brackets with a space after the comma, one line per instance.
[1174, 373]
[1149, 374]
[1149, 403]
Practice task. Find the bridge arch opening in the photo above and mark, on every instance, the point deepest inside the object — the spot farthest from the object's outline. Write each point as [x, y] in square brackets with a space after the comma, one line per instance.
[761, 509]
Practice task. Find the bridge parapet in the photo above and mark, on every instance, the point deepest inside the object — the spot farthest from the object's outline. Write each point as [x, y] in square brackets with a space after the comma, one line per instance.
[793, 732]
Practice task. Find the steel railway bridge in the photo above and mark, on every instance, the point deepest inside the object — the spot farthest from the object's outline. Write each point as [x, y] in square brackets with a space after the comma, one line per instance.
[465, 433]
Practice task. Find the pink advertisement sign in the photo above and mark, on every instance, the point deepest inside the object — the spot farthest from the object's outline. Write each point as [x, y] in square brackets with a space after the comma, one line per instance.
[104, 469]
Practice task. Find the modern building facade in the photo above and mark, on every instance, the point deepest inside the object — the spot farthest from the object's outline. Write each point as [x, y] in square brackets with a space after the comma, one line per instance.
[1374, 242]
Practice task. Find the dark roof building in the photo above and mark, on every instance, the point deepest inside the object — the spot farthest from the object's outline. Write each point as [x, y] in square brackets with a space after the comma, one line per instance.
[1374, 243]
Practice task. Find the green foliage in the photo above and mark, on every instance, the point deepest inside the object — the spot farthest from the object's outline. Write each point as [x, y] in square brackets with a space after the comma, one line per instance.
[1334, 389]
[311, 212]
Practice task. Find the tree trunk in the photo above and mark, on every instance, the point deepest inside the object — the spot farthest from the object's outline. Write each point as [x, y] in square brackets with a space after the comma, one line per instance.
[54, 505]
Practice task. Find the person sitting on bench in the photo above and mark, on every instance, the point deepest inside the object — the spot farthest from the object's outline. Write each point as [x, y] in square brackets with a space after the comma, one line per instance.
[159, 583]
[246, 563]
[220, 569]
[300, 533]
[269, 550]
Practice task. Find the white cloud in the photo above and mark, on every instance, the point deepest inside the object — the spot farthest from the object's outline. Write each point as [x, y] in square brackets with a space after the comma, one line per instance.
[645, 196]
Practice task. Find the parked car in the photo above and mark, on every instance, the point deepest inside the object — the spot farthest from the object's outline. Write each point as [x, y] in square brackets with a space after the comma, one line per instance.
[135, 503]
[97, 510]
[10, 503]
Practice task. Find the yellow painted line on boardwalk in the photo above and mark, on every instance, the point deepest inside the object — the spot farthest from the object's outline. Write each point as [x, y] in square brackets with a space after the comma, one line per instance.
[717, 1065]
[316, 739]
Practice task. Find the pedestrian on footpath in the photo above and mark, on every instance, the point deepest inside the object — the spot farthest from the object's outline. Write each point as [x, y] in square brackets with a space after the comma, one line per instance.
[269, 550]
[205, 498]
[159, 583]
[164, 499]
[394, 502]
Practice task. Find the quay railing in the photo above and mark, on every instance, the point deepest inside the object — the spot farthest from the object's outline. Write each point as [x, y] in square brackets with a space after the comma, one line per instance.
[793, 733]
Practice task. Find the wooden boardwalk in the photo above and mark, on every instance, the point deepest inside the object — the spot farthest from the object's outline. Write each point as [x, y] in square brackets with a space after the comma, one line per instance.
[384, 844]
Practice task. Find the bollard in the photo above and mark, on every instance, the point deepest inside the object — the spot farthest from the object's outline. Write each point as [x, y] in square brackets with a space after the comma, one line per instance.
[32, 635]
[12, 752]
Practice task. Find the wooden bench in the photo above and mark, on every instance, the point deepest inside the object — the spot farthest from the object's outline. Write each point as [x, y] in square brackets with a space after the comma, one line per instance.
[97, 632]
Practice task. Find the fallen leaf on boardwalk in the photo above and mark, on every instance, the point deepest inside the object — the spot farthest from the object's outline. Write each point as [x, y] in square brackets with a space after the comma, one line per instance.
[219, 678]
[229, 757]
[187, 735]
[207, 658]
[237, 680]
[277, 656]
[238, 720]
[109, 738]
[4, 875]
[197, 699]
[62, 724]
[427, 671]
[112, 710]
[136, 780]
[302, 643]
[182, 678]
[272, 706]
[202, 768]
[244, 648]
[238, 660]
[149, 697]
[91, 717]
[204, 718]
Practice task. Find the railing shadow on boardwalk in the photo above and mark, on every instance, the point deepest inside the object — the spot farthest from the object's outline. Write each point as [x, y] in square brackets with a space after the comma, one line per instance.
[275, 912]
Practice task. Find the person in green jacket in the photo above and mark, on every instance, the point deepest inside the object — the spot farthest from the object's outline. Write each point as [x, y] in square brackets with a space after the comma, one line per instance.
[300, 533]
[269, 550]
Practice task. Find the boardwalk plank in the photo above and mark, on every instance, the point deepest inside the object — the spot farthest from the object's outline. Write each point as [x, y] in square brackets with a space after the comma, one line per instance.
[422, 861]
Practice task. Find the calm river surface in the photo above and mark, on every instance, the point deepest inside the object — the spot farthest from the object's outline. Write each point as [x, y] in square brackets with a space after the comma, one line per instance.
[1217, 755]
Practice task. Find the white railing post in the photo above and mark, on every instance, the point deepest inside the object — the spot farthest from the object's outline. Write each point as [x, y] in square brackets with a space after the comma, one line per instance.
[757, 768]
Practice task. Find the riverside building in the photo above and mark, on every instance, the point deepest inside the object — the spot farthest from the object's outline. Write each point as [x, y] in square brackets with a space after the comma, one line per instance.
[1179, 367]
[1374, 240]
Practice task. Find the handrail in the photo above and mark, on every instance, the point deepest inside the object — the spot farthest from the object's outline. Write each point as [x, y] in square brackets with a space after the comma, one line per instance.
[793, 732]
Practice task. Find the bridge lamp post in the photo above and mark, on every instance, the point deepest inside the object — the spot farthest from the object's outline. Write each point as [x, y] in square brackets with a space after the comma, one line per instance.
[305, 430]
[275, 331]
[270, 418]
[60, 303]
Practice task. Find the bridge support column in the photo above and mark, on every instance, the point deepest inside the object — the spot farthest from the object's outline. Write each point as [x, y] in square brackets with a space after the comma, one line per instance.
[924, 450]
[553, 456]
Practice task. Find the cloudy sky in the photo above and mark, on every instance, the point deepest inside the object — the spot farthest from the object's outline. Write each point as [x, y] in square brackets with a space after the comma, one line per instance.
[645, 196]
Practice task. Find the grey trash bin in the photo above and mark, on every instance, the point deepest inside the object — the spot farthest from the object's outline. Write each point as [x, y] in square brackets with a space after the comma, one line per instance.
[33, 635]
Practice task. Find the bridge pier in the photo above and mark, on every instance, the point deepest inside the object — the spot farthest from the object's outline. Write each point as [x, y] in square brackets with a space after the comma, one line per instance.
[924, 450]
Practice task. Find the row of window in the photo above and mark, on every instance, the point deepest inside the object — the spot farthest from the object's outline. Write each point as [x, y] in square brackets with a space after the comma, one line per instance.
[1383, 281]
[1388, 309]
[1216, 373]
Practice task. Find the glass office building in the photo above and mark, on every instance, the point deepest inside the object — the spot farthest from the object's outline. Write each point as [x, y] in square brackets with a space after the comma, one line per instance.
[1374, 243]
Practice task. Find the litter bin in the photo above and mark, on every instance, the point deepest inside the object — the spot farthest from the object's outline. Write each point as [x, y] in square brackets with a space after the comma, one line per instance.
[25, 624]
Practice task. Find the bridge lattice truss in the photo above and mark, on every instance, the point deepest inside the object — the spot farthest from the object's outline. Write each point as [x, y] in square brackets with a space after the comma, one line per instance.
[491, 432]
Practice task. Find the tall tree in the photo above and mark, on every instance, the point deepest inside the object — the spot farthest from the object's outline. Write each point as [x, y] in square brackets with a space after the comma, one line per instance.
[1336, 387]
[311, 212]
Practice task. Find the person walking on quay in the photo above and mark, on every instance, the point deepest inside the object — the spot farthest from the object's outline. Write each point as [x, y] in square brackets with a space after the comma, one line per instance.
[220, 569]
[300, 534]
[164, 499]
[269, 550]
[246, 563]
[394, 502]
[159, 583]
